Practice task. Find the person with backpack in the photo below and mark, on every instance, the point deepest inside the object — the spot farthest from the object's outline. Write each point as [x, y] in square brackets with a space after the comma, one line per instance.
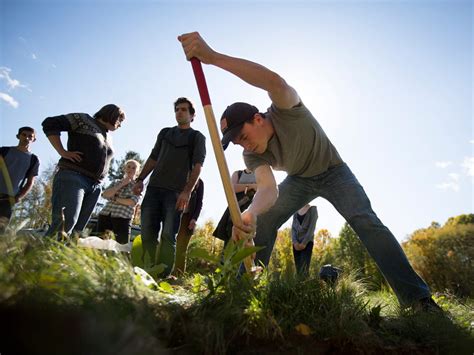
[245, 186]
[175, 163]
[18, 170]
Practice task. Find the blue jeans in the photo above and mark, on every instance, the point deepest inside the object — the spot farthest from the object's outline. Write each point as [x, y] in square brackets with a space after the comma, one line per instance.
[159, 212]
[78, 194]
[340, 187]
[303, 259]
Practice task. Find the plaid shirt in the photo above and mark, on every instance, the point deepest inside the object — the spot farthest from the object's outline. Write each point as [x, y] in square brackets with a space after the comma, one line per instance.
[117, 210]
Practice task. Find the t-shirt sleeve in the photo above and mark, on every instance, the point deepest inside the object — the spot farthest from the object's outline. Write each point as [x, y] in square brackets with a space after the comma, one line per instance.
[199, 151]
[253, 161]
[35, 170]
[156, 149]
[295, 112]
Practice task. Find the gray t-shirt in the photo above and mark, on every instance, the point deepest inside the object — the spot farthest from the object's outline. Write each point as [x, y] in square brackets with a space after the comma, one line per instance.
[299, 146]
[17, 163]
[171, 152]
[303, 232]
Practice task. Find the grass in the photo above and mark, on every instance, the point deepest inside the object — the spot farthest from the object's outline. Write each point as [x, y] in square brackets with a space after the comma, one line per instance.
[61, 299]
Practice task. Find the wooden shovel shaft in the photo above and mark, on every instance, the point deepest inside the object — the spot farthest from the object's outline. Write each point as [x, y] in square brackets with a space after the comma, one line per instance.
[218, 151]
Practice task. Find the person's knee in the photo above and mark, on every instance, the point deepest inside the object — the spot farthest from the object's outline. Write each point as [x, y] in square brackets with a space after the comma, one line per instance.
[364, 221]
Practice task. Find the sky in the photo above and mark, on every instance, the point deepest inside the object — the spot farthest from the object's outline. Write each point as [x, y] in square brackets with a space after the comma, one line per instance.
[390, 82]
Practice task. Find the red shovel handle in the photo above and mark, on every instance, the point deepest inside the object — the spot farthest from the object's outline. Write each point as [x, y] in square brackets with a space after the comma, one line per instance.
[200, 81]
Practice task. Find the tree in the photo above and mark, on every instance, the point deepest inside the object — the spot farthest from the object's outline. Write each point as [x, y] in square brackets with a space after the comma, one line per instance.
[34, 210]
[444, 257]
[353, 257]
[461, 219]
[321, 239]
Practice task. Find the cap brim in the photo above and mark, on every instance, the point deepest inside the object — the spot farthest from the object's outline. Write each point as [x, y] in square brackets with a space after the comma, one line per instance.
[229, 135]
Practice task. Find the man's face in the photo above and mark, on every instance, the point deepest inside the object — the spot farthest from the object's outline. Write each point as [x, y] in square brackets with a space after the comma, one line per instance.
[183, 116]
[252, 136]
[26, 137]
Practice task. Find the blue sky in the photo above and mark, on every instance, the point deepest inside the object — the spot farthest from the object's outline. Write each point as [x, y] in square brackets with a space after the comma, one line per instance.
[389, 81]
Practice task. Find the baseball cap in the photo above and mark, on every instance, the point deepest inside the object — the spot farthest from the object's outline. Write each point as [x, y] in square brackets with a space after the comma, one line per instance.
[233, 119]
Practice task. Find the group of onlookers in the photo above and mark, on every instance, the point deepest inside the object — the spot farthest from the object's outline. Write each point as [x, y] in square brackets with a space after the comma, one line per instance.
[173, 198]
[172, 201]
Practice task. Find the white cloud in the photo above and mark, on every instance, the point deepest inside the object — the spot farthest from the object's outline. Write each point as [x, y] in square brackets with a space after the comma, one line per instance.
[11, 83]
[53, 66]
[8, 99]
[454, 176]
[468, 165]
[471, 141]
[448, 186]
[34, 56]
[443, 164]
[452, 184]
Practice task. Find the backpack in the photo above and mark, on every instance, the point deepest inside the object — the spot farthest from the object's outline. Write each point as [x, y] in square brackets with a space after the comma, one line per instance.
[191, 142]
[33, 161]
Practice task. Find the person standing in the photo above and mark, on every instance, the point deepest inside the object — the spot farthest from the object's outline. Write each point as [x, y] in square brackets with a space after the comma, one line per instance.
[287, 137]
[117, 214]
[187, 227]
[82, 166]
[245, 186]
[302, 237]
[176, 161]
[19, 168]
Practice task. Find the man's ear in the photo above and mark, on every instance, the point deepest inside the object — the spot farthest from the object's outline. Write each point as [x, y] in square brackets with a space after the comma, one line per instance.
[258, 118]
[17, 136]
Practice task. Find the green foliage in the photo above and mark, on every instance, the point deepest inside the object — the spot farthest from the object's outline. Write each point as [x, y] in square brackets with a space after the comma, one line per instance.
[34, 210]
[444, 256]
[461, 219]
[227, 265]
[203, 239]
[352, 255]
[94, 302]
[281, 260]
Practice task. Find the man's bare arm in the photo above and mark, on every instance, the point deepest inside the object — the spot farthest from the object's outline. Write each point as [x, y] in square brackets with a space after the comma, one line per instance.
[281, 94]
[267, 191]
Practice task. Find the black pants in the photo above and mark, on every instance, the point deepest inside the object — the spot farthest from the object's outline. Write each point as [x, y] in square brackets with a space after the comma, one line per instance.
[119, 226]
[303, 259]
